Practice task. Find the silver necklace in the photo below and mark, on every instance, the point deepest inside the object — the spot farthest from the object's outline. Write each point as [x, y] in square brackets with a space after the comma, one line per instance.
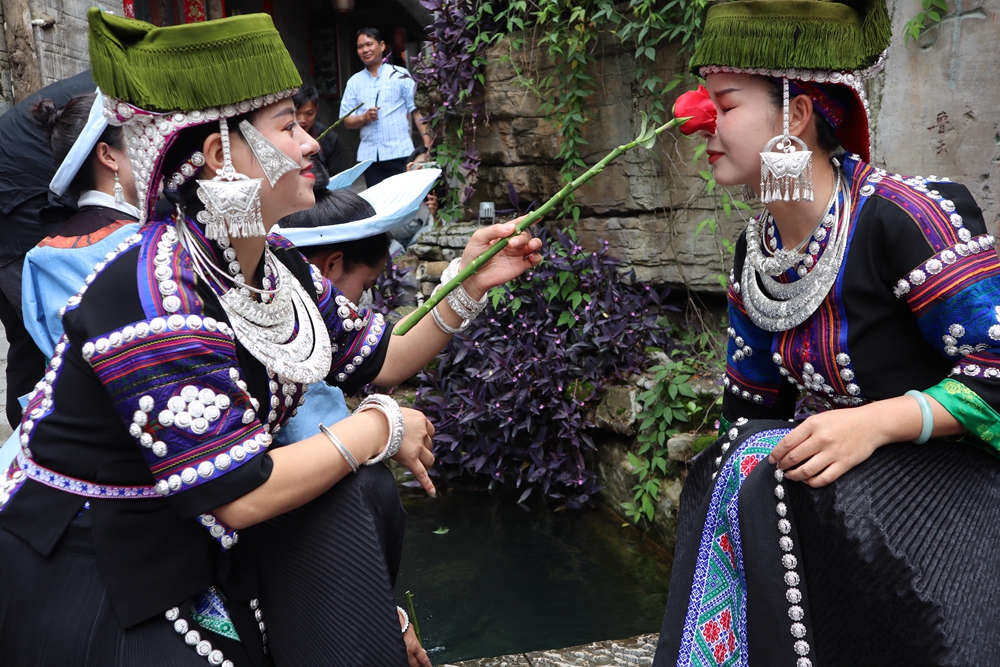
[286, 333]
[782, 259]
[777, 306]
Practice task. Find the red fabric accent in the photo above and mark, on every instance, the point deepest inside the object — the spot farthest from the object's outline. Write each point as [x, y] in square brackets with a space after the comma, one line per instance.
[854, 133]
[84, 240]
[194, 11]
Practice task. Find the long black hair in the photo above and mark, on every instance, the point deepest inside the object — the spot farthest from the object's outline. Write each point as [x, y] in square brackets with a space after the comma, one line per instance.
[63, 125]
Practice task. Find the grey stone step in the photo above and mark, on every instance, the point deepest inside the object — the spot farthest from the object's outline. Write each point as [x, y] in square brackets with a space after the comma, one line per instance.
[618, 653]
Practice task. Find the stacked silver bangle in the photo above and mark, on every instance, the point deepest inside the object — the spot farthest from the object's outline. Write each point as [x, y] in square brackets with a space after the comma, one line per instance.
[344, 451]
[459, 300]
[394, 415]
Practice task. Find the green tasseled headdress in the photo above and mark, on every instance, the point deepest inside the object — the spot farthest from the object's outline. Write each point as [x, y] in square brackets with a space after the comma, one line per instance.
[801, 34]
[189, 67]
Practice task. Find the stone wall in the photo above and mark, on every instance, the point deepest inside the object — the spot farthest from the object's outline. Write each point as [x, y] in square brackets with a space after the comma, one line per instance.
[61, 41]
[937, 109]
[646, 203]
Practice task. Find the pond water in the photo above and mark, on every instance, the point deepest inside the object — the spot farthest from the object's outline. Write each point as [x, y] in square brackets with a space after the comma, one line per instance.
[505, 580]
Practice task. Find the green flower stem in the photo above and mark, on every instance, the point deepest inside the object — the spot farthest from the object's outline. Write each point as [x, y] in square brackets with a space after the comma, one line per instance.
[413, 616]
[647, 138]
[338, 121]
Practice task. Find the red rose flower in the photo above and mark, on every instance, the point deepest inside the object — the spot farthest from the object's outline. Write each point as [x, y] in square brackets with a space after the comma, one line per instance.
[698, 108]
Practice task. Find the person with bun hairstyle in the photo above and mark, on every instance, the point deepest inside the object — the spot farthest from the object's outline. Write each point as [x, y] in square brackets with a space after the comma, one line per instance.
[29, 211]
[866, 533]
[104, 189]
[147, 448]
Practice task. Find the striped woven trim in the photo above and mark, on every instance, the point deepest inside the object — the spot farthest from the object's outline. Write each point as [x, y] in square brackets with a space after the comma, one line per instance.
[79, 487]
[949, 272]
[934, 215]
[738, 385]
[179, 264]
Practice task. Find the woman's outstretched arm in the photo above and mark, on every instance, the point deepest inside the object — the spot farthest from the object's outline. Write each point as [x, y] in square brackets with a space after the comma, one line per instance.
[407, 354]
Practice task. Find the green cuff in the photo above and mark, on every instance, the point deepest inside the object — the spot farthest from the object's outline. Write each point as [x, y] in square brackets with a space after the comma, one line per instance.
[969, 409]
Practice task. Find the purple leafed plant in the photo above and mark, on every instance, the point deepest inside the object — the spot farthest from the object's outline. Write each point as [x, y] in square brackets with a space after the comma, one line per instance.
[511, 398]
[451, 75]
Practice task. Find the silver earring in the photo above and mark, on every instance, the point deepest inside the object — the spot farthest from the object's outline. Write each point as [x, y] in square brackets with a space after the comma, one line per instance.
[232, 200]
[119, 191]
[748, 194]
[786, 175]
[272, 159]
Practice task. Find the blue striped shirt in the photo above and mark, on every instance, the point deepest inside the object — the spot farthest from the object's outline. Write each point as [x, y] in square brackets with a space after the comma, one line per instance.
[387, 138]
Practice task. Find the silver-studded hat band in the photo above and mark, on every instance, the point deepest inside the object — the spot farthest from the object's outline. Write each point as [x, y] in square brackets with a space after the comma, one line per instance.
[149, 135]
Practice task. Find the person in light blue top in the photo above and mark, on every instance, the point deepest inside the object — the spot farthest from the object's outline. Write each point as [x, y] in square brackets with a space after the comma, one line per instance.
[385, 93]
[95, 168]
[353, 266]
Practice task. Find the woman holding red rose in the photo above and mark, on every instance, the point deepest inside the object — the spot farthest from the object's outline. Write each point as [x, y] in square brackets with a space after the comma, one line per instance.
[858, 535]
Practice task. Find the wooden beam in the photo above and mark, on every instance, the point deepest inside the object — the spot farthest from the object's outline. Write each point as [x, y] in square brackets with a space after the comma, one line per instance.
[25, 70]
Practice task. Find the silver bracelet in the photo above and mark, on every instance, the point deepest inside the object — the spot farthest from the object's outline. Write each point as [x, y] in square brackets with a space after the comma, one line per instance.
[344, 451]
[464, 305]
[444, 326]
[393, 415]
[406, 619]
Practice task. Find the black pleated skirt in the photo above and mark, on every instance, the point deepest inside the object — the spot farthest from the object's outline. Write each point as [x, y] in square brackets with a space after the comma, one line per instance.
[327, 571]
[899, 559]
[54, 612]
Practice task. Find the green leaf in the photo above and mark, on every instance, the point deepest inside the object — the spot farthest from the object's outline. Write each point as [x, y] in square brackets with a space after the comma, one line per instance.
[441, 531]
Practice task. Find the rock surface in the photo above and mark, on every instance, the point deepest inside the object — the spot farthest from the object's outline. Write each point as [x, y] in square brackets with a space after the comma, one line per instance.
[937, 109]
[635, 651]
[647, 204]
[618, 410]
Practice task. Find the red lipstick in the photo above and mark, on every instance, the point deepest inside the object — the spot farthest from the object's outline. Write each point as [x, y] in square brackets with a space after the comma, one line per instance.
[713, 156]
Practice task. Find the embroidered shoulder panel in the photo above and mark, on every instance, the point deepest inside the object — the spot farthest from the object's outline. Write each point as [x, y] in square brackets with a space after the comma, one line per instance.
[176, 383]
[166, 280]
[936, 217]
[354, 332]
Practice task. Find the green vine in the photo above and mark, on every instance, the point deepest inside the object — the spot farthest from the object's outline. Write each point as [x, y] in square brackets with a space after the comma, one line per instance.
[669, 404]
[569, 43]
[569, 32]
[929, 15]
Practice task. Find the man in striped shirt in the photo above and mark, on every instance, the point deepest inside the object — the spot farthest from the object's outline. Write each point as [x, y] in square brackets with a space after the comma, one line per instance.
[386, 95]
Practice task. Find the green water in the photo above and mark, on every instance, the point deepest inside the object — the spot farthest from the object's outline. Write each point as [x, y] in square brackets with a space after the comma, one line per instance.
[503, 580]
